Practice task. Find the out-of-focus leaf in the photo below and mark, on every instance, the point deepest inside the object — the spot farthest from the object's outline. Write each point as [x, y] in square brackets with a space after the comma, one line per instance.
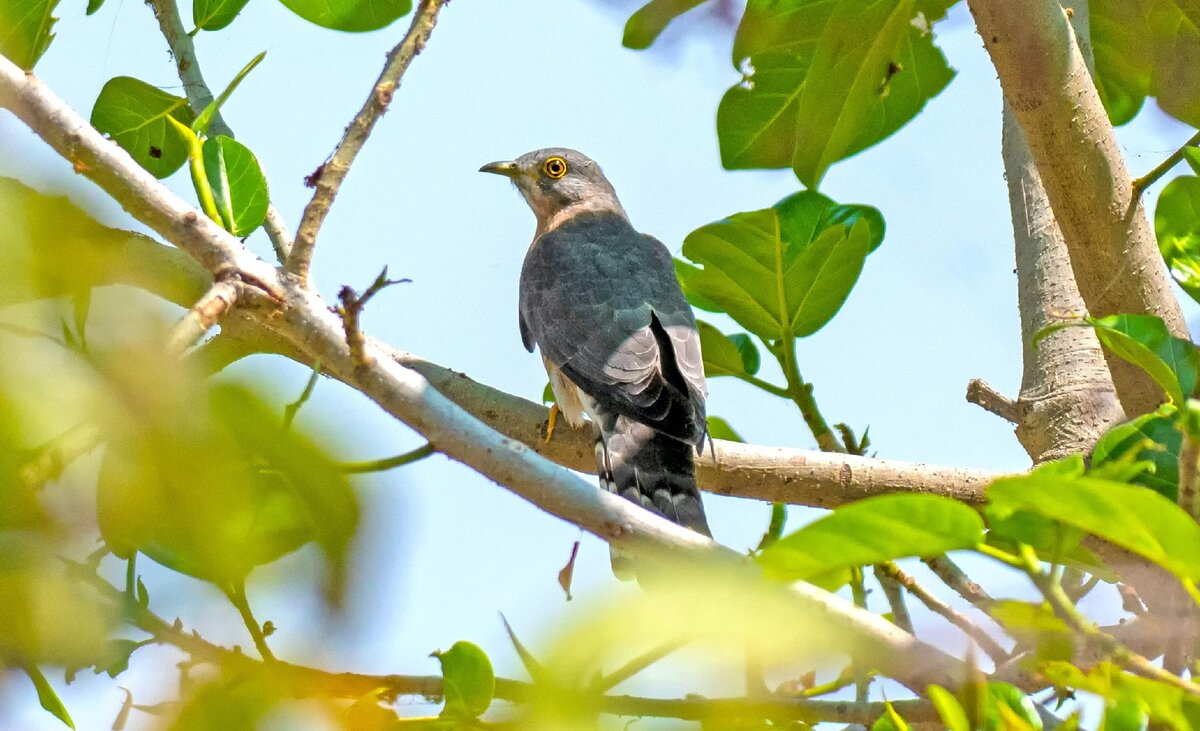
[1191, 154]
[874, 530]
[890, 720]
[51, 248]
[948, 708]
[719, 428]
[216, 14]
[1010, 709]
[1151, 437]
[1037, 626]
[229, 702]
[134, 114]
[1177, 226]
[1145, 341]
[1145, 48]
[25, 30]
[651, 19]
[203, 120]
[93, 6]
[468, 680]
[355, 16]
[827, 80]
[727, 355]
[207, 481]
[1130, 516]
[237, 183]
[47, 697]
[1129, 699]
[783, 271]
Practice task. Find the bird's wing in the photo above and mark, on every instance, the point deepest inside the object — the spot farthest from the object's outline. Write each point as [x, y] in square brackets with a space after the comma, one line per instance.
[602, 302]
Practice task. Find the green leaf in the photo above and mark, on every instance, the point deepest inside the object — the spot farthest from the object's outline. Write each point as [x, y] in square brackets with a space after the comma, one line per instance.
[468, 680]
[783, 271]
[1152, 438]
[1035, 625]
[1146, 48]
[826, 80]
[1130, 516]
[719, 428]
[200, 126]
[1130, 699]
[93, 6]
[651, 19]
[727, 355]
[948, 708]
[1145, 341]
[1177, 226]
[134, 114]
[874, 530]
[1010, 709]
[215, 14]
[47, 697]
[686, 273]
[1192, 155]
[25, 30]
[237, 183]
[548, 394]
[355, 16]
[890, 720]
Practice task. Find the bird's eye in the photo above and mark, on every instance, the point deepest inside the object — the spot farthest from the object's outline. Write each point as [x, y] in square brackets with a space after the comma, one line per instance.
[555, 167]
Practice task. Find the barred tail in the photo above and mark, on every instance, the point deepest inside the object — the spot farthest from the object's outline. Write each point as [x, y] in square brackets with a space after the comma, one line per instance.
[652, 469]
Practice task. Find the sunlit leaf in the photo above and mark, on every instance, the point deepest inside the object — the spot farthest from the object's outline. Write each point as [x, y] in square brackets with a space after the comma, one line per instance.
[949, 709]
[237, 183]
[1130, 516]
[652, 18]
[355, 16]
[874, 530]
[827, 80]
[719, 428]
[1151, 437]
[1145, 48]
[134, 114]
[216, 14]
[1177, 226]
[783, 271]
[727, 355]
[890, 720]
[47, 697]
[1037, 626]
[468, 680]
[25, 30]
[1010, 710]
[1145, 341]
[1129, 698]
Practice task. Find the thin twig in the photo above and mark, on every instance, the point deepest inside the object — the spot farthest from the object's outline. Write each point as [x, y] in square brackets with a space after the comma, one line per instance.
[290, 411]
[989, 399]
[801, 394]
[330, 175]
[305, 680]
[895, 596]
[237, 596]
[1150, 178]
[937, 606]
[380, 465]
[635, 666]
[199, 96]
[955, 578]
[52, 458]
[351, 309]
[207, 311]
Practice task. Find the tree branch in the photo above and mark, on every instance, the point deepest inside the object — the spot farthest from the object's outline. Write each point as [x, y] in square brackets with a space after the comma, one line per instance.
[199, 96]
[328, 178]
[1113, 252]
[1067, 397]
[203, 315]
[306, 322]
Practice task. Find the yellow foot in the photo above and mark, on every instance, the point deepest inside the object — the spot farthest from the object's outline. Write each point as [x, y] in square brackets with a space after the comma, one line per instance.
[550, 421]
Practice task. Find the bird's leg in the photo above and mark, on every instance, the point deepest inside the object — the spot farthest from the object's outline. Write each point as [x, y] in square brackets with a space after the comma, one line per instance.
[550, 421]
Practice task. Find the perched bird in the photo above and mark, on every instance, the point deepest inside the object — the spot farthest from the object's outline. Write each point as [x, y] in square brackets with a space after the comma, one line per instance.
[617, 337]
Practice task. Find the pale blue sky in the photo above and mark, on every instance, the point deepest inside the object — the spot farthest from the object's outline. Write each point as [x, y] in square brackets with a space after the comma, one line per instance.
[442, 550]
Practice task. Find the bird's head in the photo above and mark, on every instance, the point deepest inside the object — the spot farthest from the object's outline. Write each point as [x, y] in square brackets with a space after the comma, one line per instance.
[558, 182]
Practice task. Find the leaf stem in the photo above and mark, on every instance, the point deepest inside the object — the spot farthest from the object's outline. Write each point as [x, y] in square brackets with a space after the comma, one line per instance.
[770, 388]
[379, 465]
[237, 596]
[1150, 178]
[801, 394]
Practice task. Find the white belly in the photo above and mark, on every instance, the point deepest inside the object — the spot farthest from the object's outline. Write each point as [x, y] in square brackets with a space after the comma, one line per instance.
[572, 402]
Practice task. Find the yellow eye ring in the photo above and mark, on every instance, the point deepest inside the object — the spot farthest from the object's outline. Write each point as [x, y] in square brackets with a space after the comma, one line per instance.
[554, 167]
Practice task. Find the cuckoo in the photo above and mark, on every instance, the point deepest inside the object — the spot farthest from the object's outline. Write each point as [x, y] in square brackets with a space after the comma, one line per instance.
[619, 341]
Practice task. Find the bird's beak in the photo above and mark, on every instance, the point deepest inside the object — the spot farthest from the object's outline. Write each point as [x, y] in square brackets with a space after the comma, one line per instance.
[507, 168]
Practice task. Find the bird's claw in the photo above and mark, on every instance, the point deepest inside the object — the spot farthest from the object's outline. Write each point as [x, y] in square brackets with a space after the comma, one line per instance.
[550, 421]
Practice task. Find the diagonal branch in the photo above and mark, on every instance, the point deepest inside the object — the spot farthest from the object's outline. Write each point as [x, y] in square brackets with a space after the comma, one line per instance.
[200, 96]
[1112, 250]
[328, 178]
[306, 322]
[203, 315]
